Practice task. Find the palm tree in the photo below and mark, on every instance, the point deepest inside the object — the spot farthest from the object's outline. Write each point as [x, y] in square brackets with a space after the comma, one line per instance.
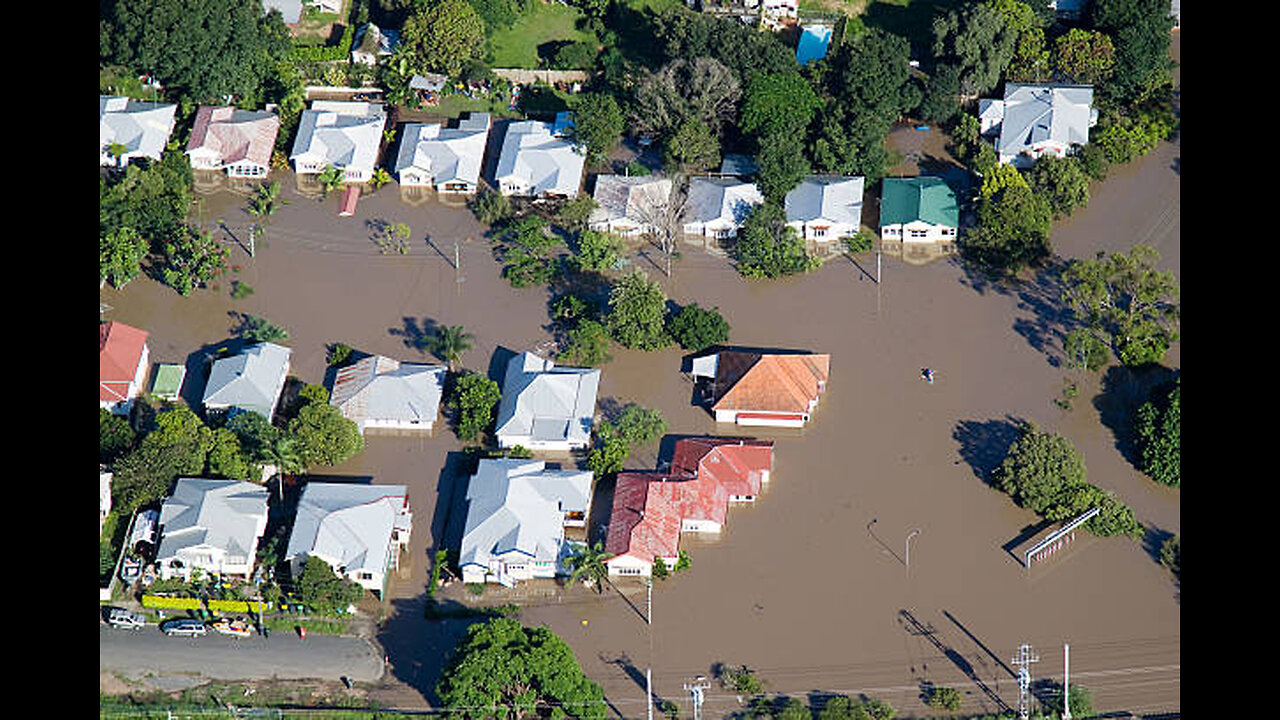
[330, 178]
[284, 453]
[449, 343]
[379, 178]
[588, 562]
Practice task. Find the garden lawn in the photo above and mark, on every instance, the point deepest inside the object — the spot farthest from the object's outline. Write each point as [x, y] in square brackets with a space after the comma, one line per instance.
[517, 46]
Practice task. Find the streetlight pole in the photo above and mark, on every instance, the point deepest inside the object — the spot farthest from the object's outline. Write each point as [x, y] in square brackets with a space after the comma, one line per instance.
[913, 534]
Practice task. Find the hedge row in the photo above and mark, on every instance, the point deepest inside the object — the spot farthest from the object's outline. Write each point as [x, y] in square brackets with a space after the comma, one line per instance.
[229, 606]
[171, 603]
[324, 53]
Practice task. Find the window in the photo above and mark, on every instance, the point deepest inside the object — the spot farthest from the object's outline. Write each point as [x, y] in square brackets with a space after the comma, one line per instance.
[918, 233]
[366, 576]
[819, 232]
[628, 571]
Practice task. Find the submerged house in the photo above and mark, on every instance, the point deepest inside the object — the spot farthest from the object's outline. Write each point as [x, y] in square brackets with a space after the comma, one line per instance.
[129, 129]
[213, 526]
[516, 515]
[236, 141]
[546, 407]
[359, 530]
[444, 158]
[381, 393]
[753, 388]
[1036, 120]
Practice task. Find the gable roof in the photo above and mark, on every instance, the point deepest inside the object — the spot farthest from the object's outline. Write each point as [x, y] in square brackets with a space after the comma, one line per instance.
[1039, 113]
[250, 380]
[645, 519]
[235, 135]
[726, 199]
[826, 197]
[344, 134]
[738, 465]
[769, 382]
[620, 196]
[120, 349]
[348, 524]
[379, 388]
[518, 506]
[449, 154]
[224, 514]
[546, 402]
[533, 154]
[924, 198]
[142, 128]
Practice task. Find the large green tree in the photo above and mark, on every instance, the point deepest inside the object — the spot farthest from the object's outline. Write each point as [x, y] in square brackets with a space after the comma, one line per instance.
[115, 436]
[504, 670]
[871, 72]
[978, 40]
[767, 247]
[176, 446]
[322, 590]
[1085, 56]
[778, 103]
[598, 123]
[637, 313]
[1061, 181]
[201, 50]
[443, 35]
[701, 88]
[1127, 299]
[696, 328]
[325, 437]
[472, 401]
[782, 164]
[120, 255]
[1012, 231]
[526, 249]
[1159, 434]
[1139, 30]
[691, 148]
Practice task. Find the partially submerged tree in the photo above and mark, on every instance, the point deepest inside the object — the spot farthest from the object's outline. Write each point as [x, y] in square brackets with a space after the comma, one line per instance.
[1128, 300]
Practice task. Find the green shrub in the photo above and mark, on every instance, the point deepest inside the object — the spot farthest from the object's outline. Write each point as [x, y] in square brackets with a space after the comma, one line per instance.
[240, 290]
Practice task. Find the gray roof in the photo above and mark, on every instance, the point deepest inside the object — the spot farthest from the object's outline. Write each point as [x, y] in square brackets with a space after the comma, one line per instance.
[1036, 113]
[379, 388]
[544, 162]
[344, 134]
[349, 525]
[143, 128]
[720, 198]
[826, 197]
[251, 380]
[545, 402]
[290, 9]
[431, 82]
[620, 196]
[741, 165]
[449, 154]
[519, 505]
[225, 514]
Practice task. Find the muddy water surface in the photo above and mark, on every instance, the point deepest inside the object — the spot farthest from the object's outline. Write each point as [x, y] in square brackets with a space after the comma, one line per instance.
[809, 585]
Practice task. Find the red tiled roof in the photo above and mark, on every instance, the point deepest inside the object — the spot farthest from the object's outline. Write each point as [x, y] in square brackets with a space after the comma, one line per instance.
[645, 520]
[119, 352]
[768, 382]
[735, 464]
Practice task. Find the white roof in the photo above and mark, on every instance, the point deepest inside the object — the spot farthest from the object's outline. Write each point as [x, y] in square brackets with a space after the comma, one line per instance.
[535, 158]
[1036, 113]
[519, 506]
[541, 401]
[446, 154]
[619, 196]
[826, 197]
[344, 134]
[224, 514]
[726, 199]
[251, 380]
[349, 525]
[142, 127]
[380, 388]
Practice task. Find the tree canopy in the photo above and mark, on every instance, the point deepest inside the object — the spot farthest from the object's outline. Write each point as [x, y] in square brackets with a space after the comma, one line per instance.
[1127, 299]
[443, 35]
[502, 669]
[325, 436]
[473, 400]
[598, 124]
[1159, 434]
[768, 247]
[637, 313]
[696, 328]
[700, 89]
[978, 41]
[201, 50]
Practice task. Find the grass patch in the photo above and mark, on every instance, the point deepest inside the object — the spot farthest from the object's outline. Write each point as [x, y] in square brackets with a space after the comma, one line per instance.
[319, 626]
[517, 46]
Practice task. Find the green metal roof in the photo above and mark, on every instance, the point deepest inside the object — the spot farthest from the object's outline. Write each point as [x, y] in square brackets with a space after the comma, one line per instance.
[930, 199]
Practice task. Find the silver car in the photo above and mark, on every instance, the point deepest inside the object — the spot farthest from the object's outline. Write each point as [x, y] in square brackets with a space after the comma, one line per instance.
[183, 626]
[122, 618]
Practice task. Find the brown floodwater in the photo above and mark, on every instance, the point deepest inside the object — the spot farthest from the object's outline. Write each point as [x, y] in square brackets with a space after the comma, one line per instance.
[810, 586]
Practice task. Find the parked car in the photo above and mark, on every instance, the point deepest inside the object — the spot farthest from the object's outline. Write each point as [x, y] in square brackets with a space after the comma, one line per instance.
[227, 626]
[184, 626]
[122, 618]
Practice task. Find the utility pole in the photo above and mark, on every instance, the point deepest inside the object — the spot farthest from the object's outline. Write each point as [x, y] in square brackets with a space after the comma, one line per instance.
[252, 229]
[695, 691]
[1066, 675]
[1023, 661]
[648, 674]
[913, 534]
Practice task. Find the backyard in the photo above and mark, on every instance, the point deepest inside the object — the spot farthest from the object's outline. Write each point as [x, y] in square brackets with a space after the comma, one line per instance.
[545, 22]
